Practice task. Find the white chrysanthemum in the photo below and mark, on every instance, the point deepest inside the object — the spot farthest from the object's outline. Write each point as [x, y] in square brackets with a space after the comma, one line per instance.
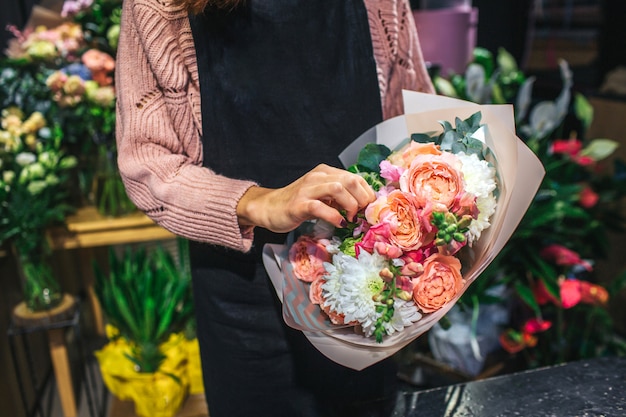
[405, 313]
[480, 180]
[351, 285]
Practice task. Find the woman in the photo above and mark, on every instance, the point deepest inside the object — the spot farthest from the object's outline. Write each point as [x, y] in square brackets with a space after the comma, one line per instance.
[231, 115]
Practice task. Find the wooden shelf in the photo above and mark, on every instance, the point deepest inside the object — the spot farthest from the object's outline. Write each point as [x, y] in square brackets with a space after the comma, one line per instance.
[87, 228]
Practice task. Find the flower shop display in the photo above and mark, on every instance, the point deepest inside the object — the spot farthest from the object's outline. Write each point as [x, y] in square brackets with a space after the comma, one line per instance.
[147, 302]
[34, 174]
[70, 68]
[558, 305]
[363, 292]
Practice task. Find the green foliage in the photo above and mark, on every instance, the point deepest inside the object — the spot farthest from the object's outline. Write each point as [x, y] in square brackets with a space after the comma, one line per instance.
[146, 296]
[33, 182]
[560, 214]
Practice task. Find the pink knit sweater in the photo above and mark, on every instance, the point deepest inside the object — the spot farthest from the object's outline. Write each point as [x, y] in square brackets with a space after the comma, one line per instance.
[159, 119]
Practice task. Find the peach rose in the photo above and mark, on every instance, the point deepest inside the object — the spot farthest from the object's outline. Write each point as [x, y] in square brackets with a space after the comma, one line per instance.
[410, 228]
[435, 179]
[307, 256]
[439, 283]
[405, 156]
[315, 291]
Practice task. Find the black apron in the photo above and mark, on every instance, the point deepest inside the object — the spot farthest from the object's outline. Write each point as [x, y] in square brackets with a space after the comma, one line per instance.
[285, 85]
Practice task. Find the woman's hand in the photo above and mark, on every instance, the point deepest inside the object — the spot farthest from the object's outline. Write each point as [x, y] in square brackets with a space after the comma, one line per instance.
[318, 194]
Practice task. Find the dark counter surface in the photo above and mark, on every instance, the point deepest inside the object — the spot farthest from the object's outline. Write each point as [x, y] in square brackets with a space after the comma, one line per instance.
[590, 388]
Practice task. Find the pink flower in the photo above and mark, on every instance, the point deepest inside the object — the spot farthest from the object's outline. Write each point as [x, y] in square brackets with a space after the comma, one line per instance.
[570, 292]
[465, 205]
[378, 238]
[588, 197]
[307, 256]
[571, 147]
[439, 283]
[574, 291]
[563, 256]
[535, 325]
[390, 172]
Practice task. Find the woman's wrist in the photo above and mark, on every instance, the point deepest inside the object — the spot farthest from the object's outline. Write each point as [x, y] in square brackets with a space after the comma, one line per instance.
[249, 208]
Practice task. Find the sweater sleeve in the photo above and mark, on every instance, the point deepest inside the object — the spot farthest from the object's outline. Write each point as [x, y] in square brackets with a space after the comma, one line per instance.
[159, 146]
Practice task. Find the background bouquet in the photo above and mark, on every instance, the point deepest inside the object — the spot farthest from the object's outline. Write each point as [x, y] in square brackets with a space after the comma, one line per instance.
[340, 342]
[400, 257]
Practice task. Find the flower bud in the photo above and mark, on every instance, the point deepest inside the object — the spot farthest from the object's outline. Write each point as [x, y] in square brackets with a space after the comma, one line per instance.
[36, 187]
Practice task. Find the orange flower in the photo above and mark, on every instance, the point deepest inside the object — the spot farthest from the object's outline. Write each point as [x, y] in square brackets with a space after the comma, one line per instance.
[439, 283]
[307, 256]
[434, 179]
[315, 291]
[409, 227]
[406, 155]
[593, 294]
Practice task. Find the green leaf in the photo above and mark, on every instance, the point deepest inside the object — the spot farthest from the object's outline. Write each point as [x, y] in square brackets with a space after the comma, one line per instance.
[526, 294]
[583, 110]
[372, 155]
[599, 149]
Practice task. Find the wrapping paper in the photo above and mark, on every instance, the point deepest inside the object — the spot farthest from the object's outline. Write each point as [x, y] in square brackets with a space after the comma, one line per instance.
[520, 174]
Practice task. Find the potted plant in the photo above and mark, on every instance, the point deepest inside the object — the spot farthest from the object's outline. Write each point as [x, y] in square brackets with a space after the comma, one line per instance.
[147, 301]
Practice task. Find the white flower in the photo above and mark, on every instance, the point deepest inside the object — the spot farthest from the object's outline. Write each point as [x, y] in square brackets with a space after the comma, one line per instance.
[479, 179]
[36, 187]
[351, 285]
[25, 158]
[405, 313]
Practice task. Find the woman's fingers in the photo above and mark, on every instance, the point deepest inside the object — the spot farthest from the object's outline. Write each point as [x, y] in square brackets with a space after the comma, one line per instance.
[322, 193]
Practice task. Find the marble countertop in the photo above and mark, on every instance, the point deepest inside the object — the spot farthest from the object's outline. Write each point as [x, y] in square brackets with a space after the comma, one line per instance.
[590, 388]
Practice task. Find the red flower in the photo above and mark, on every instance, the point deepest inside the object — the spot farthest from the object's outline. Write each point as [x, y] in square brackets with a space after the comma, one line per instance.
[563, 256]
[569, 147]
[588, 197]
[535, 325]
[542, 295]
[513, 341]
[570, 292]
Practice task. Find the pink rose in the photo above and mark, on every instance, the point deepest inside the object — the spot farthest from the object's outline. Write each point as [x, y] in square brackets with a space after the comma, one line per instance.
[434, 179]
[307, 256]
[439, 283]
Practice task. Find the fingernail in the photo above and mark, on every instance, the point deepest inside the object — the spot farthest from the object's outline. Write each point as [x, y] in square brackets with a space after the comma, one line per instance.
[343, 223]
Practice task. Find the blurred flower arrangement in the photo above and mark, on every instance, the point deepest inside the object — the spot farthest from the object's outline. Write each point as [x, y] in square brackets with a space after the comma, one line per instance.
[67, 73]
[560, 307]
[35, 173]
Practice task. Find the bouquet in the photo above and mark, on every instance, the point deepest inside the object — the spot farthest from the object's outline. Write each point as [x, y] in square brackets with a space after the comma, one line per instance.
[401, 257]
[460, 240]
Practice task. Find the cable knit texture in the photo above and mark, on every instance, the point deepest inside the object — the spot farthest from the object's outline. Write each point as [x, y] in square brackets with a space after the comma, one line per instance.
[159, 124]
